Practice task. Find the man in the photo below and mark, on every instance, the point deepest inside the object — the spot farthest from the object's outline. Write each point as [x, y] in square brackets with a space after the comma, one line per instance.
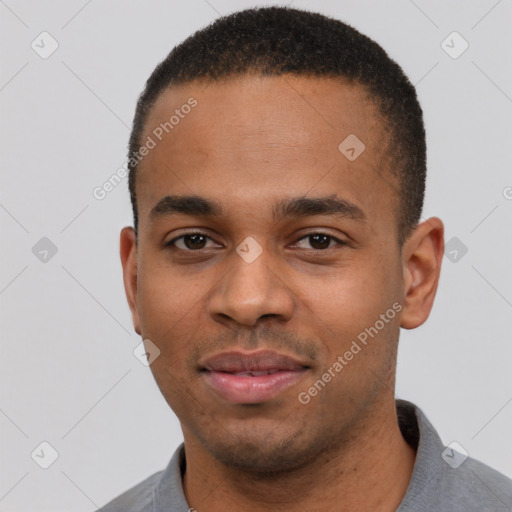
[277, 173]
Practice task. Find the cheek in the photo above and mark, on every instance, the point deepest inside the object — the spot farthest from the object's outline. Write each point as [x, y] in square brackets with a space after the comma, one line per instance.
[355, 293]
[168, 307]
[347, 307]
[169, 314]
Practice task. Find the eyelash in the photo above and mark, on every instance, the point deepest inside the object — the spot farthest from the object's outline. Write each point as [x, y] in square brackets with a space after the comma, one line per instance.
[171, 244]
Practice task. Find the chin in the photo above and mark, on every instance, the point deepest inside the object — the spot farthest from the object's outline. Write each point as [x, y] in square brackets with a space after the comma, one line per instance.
[266, 453]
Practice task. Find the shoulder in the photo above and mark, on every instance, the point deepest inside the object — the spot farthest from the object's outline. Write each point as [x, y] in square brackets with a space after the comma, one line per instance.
[475, 486]
[138, 498]
[444, 478]
[161, 491]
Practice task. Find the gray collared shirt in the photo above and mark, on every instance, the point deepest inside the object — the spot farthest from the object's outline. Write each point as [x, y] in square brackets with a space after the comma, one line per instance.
[442, 480]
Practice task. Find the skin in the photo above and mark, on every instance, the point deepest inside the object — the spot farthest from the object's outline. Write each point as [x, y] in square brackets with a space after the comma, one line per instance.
[250, 142]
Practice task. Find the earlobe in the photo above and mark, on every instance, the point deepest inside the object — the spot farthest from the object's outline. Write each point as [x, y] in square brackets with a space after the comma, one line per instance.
[422, 257]
[128, 253]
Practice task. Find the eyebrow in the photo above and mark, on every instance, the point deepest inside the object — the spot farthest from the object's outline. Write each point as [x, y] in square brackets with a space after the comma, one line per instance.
[288, 208]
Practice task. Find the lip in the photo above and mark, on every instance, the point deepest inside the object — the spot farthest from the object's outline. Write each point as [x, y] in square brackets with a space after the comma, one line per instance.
[252, 377]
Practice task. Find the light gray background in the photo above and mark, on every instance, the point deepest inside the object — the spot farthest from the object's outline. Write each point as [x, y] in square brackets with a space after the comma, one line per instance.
[68, 374]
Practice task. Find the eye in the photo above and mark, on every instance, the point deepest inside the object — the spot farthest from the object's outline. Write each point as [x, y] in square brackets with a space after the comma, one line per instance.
[189, 242]
[320, 241]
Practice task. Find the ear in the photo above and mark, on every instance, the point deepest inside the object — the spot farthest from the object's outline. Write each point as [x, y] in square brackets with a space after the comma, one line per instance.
[128, 250]
[422, 255]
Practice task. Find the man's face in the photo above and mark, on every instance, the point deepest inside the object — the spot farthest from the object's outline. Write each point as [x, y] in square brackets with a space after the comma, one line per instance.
[251, 144]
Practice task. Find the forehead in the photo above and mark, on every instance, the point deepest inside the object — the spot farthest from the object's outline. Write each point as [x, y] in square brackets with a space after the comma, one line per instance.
[254, 138]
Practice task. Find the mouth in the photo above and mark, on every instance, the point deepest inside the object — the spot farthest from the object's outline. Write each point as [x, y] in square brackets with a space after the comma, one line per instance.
[250, 378]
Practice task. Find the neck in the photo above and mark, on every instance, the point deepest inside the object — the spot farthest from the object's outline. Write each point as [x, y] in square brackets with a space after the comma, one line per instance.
[371, 472]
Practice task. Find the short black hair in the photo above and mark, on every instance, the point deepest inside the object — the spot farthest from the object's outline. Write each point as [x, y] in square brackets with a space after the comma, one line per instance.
[273, 41]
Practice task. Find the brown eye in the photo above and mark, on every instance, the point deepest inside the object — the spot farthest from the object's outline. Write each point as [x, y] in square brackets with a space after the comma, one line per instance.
[320, 241]
[194, 241]
[189, 242]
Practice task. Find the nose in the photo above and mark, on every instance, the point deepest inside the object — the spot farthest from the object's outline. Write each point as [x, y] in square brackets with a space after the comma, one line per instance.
[252, 291]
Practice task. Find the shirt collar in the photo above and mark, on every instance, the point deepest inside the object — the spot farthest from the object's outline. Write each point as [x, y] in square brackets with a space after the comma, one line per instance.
[415, 428]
